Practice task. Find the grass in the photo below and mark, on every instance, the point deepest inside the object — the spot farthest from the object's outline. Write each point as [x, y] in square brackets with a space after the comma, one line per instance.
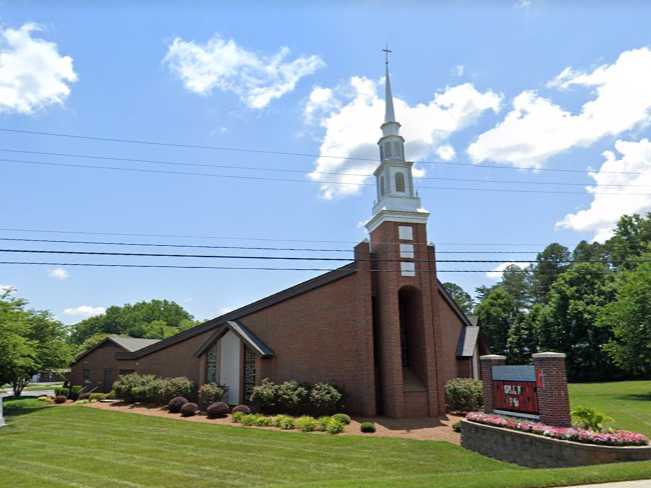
[627, 402]
[76, 446]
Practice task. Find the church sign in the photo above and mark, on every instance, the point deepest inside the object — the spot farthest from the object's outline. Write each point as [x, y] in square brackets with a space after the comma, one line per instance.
[515, 391]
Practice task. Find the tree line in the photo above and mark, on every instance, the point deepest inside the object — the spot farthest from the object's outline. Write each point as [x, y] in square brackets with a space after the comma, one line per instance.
[592, 303]
[34, 341]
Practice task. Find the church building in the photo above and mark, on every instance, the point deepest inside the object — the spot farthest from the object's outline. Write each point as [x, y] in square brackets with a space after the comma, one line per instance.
[383, 329]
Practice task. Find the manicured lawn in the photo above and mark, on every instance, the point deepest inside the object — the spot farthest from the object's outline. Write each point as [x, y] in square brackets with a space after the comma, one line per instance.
[628, 402]
[76, 446]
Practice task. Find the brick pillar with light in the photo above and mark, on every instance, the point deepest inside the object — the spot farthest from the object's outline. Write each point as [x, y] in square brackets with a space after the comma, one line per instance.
[486, 372]
[553, 398]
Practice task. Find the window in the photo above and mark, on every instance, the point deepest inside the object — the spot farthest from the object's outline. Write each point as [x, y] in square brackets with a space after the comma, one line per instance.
[407, 268]
[86, 376]
[405, 233]
[388, 150]
[407, 251]
[211, 375]
[381, 186]
[396, 150]
[400, 182]
[108, 379]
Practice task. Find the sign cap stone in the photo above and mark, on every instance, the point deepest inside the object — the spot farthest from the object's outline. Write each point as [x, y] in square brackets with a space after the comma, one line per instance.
[543, 355]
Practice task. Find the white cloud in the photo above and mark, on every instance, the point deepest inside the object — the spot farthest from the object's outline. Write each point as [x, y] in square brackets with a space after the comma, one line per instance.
[350, 116]
[58, 273]
[459, 70]
[496, 274]
[609, 202]
[538, 129]
[523, 3]
[222, 64]
[33, 74]
[7, 289]
[84, 311]
[446, 152]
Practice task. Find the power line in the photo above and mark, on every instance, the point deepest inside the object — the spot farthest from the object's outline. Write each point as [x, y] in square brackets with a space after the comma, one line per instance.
[205, 246]
[172, 266]
[222, 165]
[290, 180]
[280, 153]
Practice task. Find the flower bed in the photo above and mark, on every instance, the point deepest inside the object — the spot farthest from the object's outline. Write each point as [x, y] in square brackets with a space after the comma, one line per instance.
[613, 438]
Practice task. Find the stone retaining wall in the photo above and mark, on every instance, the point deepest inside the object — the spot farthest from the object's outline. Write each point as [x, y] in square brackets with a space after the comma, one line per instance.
[536, 451]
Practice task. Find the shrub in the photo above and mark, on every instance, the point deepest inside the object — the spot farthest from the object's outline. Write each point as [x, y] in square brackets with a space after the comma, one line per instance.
[293, 398]
[367, 427]
[457, 426]
[263, 421]
[241, 409]
[189, 409]
[249, 420]
[307, 423]
[217, 409]
[73, 393]
[98, 397]
[334, 426]
[343, 418]
[176, 404]
[325, 399]
[60, 399]
[135, 387]
[323, 422]
[237, 417]
[175, 387]
[589, 418]
[209, 394]
[463, 394]
[61, 391]
[283, 422]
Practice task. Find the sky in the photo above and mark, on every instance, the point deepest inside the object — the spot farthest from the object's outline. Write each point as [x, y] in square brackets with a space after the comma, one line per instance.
[528, 122]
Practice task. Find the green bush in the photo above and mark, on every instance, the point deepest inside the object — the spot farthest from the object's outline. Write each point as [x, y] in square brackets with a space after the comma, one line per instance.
[147, 388]
[241, 408]
[98, 397]
[237, 416]
[293, 398]
[209, 394]
[334, 426]
[176, 403]
[463, 394]
[73, 393]
[307, 423]
[283, 422]
[343, 418]
[323, 422]
[61, 391]
[457, 426]
[249, 420]
[217, 410]
[263, 421]
[590, 419]
[367, 427]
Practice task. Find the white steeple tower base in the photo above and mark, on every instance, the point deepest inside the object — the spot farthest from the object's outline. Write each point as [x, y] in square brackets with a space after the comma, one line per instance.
[404, 217]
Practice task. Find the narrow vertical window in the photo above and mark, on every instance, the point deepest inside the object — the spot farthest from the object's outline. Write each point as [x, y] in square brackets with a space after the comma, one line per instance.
[400, 182]
[381, 186]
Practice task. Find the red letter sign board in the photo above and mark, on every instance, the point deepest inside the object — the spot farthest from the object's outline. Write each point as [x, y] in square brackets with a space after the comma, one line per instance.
[515, 390]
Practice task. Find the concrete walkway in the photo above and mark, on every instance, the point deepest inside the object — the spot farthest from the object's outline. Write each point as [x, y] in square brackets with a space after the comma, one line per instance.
[618, 484]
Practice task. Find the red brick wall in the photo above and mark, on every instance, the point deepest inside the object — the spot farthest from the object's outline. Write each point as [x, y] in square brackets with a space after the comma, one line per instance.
[323, 335]
[99, 359]
[450, 326]
[553, 398]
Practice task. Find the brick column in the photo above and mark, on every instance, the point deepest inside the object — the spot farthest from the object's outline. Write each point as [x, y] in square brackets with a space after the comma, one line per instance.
[553, 399]
[486, 373]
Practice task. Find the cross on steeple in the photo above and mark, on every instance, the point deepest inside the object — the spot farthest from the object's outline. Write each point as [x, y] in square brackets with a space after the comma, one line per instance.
[386, 52]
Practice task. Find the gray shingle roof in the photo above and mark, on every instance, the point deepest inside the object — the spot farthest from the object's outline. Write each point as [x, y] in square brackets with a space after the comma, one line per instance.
[132, 344]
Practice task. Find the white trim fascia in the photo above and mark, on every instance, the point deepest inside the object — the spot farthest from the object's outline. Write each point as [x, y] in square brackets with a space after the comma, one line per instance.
[400, 216]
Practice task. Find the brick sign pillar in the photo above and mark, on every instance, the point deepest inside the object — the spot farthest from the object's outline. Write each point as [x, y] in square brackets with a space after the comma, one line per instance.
[486, 372]
[553, 400]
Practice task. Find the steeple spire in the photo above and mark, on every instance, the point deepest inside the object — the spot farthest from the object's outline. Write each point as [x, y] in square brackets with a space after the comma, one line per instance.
[389, 113]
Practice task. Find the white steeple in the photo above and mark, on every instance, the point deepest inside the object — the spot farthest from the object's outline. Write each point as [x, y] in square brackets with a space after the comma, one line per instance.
[396, 195]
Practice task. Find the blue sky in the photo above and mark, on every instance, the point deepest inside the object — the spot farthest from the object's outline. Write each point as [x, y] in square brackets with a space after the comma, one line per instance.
[530, 86]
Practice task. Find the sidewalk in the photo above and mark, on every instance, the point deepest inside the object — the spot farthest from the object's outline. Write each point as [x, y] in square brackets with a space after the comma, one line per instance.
[618, 484]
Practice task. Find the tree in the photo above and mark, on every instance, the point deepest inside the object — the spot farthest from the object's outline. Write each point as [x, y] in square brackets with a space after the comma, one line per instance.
[549, 265]
[629, 317]
[495, 315]
[522, 340]
[30, 342]
[630, 240]
[460, 297]
[517, 283]
[568, 322]
[155, 319]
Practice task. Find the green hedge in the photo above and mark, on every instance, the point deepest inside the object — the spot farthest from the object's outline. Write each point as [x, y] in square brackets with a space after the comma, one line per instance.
[148, 388]
[463, 395]
[293, 398]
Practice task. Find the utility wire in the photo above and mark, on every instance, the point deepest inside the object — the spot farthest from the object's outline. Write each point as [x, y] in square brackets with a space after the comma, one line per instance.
[205, 246]
[278, 153]
[222, 165]
[293, 180]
